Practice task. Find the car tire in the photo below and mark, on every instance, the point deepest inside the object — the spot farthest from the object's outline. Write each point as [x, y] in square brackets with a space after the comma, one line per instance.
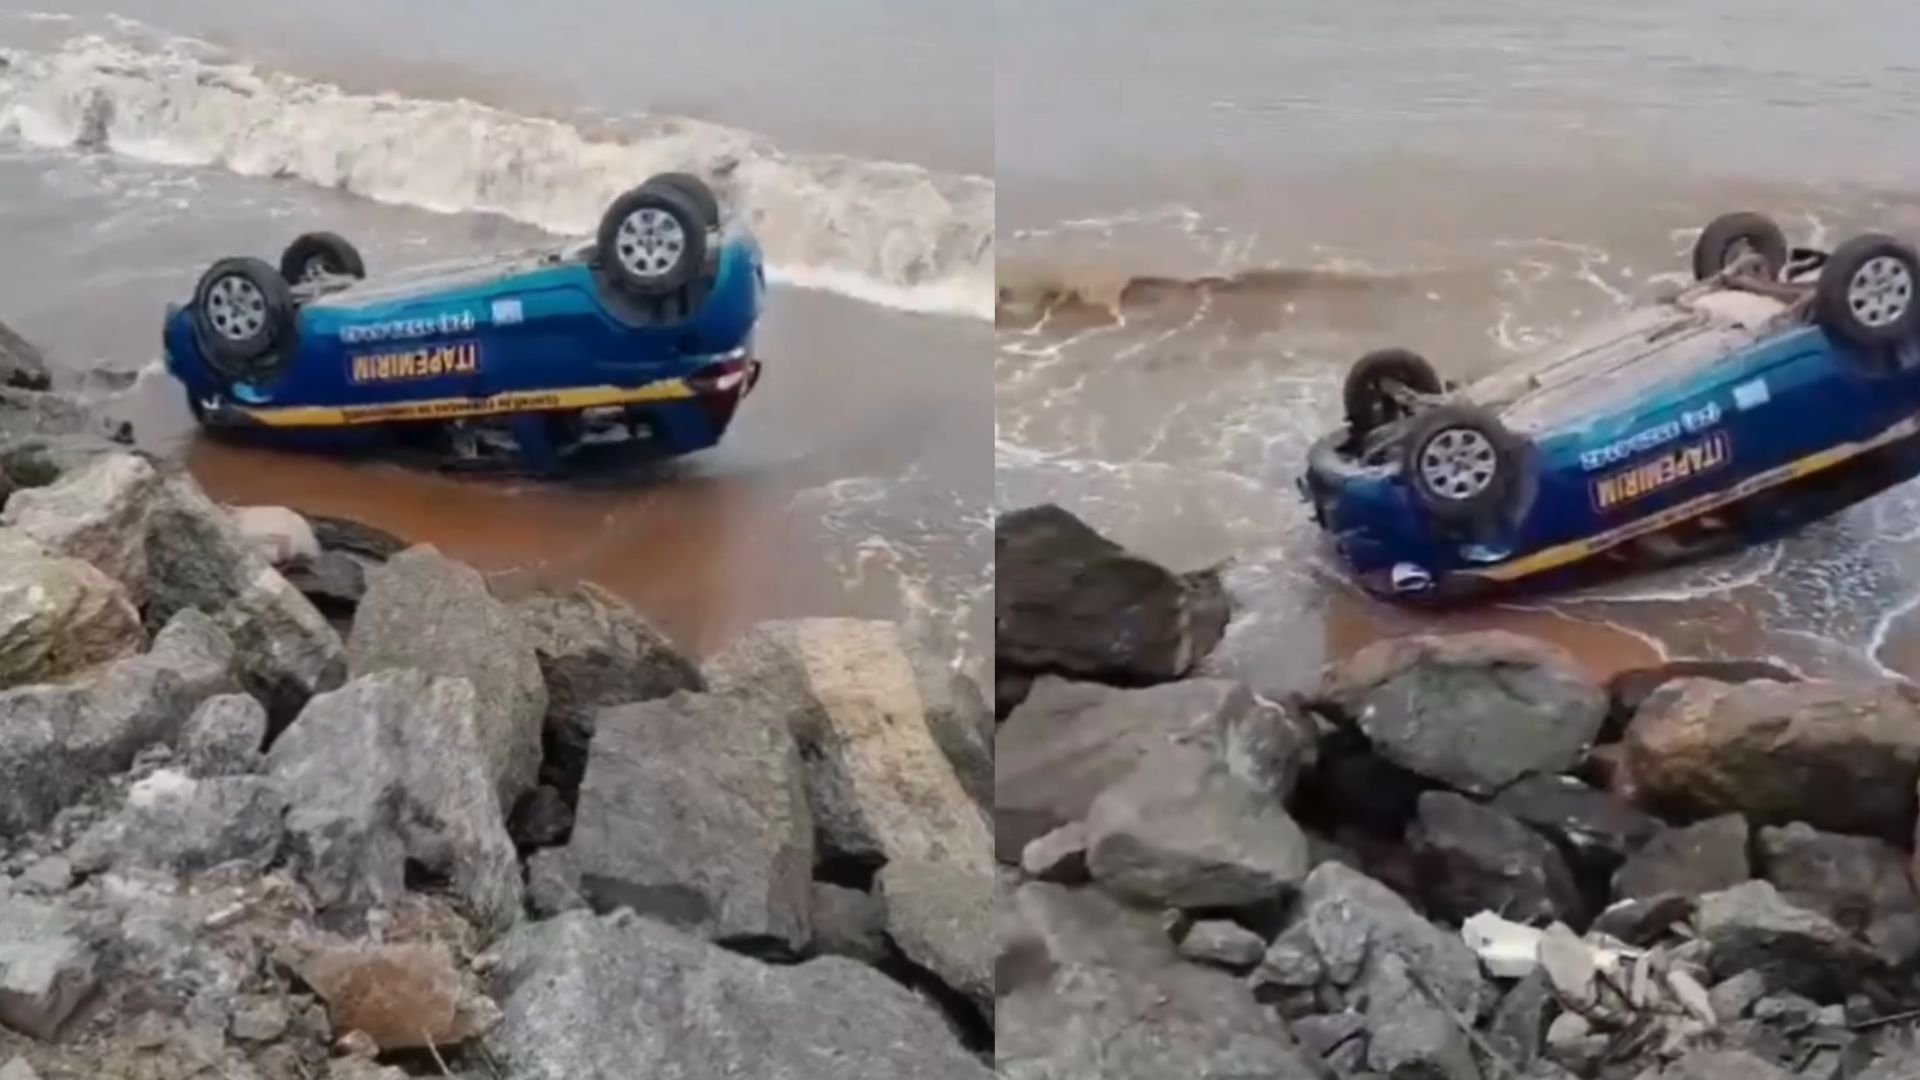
[1365, 396]
[695, 189]
[1869, 292]
[652, 241]
[1731, 235]
[321, 253]
[243, 313]
[1462, 464]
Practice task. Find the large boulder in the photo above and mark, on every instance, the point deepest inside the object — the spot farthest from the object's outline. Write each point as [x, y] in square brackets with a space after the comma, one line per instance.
[1751, 928]
[1071, 602]
[1842, 757]
[1183, 832]
[427, 613]
[1628, 690]
[1474, 858]
[594, 652]
[388, 775]
[1704, 857]
[1859, 882]
[26, 413]
[38, 460]
[224, 736]
[97, 514]
[877, 781]
[196, 558]
[1069, 741]
[586, 996]
[941, 916]
[1473, 711]
[694, 812]
[1095, 990]
[59, 742]
[961, 721]
[58, 615]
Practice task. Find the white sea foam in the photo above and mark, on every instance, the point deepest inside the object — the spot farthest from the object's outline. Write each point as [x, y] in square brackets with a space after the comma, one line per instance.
[883, 232]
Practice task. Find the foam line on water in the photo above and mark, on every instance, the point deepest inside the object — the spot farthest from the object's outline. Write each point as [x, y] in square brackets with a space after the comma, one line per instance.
[882, 232]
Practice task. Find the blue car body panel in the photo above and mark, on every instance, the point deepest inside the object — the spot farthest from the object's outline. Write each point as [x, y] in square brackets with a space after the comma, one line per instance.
[1790, 405]
[499, 338]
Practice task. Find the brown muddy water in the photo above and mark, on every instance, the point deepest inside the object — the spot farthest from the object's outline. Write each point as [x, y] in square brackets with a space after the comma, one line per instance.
[854, 481]
[1189, 263]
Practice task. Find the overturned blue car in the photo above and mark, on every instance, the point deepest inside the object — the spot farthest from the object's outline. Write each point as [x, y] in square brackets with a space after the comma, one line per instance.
[636, 344]
[1779, 387]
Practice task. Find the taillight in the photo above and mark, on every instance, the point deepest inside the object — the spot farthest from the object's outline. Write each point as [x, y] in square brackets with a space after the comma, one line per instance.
[722, 376]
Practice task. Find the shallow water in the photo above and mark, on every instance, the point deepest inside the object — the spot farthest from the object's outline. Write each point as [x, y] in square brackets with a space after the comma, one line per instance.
[853, 481]
[1190, 262]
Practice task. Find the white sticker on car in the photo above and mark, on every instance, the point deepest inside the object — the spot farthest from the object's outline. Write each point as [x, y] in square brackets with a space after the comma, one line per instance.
[1750, 395]
[508, 313]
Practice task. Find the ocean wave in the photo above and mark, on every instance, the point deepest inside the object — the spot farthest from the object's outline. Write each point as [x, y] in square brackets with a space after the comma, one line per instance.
[888, 233]
[1028, 292]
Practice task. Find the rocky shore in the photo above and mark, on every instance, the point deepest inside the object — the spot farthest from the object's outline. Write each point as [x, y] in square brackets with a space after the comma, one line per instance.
[285, 798]
[1456, 858]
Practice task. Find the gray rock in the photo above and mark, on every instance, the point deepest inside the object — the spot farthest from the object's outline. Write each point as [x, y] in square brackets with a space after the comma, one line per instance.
[286, 651]
[1733, 998]
[38, 460]
[1571, 1041]
[551, 888]
[1791, 1014]
[594, 652]
[1068, 742]
[59, 742]
[1750, 928]
[1859, 882]
[18, 1069]
[50, 876]
[585, 997]
[22, 365]
[1473, 858]
[694, 812]
[1408, 1033]
[1355, 922]
[1021, 956]
[1693, 861]
[1721, 1065]
[1645, 921]
[97, 514]
[260, 1019]
[1183, 832]
[1325, 1034]
[387, 770]
[224, 736]
[961, 722]
[1223, 944]
[1597, 830]
[941, 916]
[333, 581]
[849, 923]
[58, 615]
[46, 966]
[355, 537]
[1059, 857]
[1117, 1002]
[1068, 600]
[427, 613]
[879, 785]
[1293, 962]
[175, 824]
[1474, 711]
[1901, 1063]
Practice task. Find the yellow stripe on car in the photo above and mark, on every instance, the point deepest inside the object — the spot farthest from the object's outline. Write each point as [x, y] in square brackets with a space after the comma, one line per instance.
[1575, 550]
[458, 407]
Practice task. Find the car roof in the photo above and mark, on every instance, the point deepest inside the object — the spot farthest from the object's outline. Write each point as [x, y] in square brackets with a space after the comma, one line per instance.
[1610, 364]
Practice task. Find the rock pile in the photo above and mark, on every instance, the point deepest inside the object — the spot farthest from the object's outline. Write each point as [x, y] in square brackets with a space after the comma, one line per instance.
[1457, 858]
[284, 797]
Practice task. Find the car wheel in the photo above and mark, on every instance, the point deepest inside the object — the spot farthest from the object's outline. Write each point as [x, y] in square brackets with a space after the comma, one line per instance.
[1368, 395]
[1730, 236]
[243, 311]
[318, 255]
[652, 241]
[695, 189]
[1866, 293]
[1461, 462]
